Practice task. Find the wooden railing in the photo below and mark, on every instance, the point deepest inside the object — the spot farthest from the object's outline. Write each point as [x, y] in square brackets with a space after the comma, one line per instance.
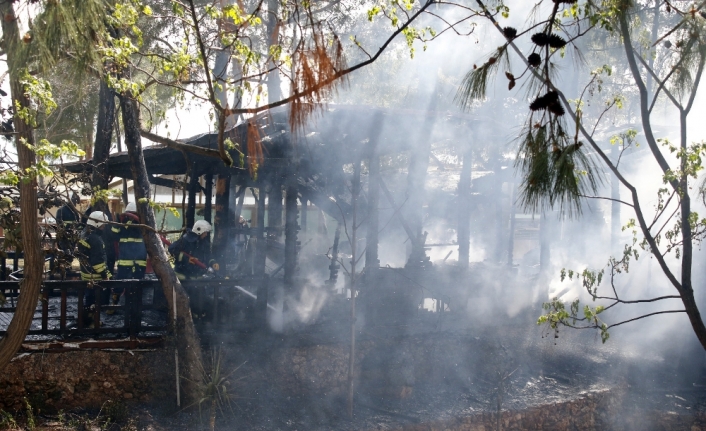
[210, 299]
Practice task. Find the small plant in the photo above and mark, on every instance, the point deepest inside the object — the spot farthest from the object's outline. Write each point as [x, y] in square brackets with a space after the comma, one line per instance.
[214, 386]
[7, 421]
[31, 421]
[115, 411]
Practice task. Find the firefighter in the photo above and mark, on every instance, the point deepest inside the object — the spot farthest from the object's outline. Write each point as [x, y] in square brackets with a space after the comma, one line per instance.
[91, 253]
[192, 252]
[108, 238]
[132, 254]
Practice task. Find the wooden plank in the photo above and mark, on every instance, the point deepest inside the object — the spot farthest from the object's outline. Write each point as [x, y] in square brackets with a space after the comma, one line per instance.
[62, 322]
[215, 304]
[97, 314]
[45, 309]
[80, 311]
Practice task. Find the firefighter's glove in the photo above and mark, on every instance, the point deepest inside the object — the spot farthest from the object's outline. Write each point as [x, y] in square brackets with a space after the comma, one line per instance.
[216, 267]
[193, 260]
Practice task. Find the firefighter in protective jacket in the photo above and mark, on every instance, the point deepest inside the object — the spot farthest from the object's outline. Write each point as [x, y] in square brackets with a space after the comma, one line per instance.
[192, 252]
[91, 249]
[132, 254]
[91, 254]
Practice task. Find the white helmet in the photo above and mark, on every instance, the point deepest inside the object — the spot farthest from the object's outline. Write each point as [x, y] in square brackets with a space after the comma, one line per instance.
[201, 226]
[97, 219]
[131, 207]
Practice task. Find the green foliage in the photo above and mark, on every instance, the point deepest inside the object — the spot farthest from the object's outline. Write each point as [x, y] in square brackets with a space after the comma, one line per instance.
[160, 206]
[102, 195]
[7, 421]
[38, 91]
[554, 169]
[48, 153]
[390, 10]
[67, 29]
[556, 315]
[475, 83]
[215, 386]
[29, 411]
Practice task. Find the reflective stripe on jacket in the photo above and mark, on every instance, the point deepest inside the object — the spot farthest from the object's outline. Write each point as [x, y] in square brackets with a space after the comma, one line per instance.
[91, 253]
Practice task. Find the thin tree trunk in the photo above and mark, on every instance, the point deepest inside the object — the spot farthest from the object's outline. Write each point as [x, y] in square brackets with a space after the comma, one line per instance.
[351, 357]
[104, 137]
[274, 90]
[33, 256]
[186, 337]
[371, 247]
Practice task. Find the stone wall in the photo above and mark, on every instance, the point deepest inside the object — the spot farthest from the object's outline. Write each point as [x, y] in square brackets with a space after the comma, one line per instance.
[86, 378]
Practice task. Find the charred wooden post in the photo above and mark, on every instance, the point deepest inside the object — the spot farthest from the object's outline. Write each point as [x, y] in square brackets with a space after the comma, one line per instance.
[260, 259]
[513, 219]
[463, 235]
[333, 267]
[207, 210]
[240, 200]
[371, 240]
[191, 204]
[274, 206]
[499, 219]
[291, 244]
[304, 215]
[416, 179]
[221, 222]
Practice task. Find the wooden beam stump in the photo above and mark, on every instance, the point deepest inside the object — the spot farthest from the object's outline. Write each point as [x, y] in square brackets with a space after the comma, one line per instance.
[208, 208]
[191, 204]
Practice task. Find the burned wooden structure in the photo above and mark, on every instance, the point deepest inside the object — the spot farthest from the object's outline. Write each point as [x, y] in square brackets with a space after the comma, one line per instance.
[314, 166]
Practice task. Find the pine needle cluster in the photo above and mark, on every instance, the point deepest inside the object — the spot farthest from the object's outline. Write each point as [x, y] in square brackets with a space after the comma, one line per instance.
[475, 83]
[68, 29]
[316, 66]
[555, 169]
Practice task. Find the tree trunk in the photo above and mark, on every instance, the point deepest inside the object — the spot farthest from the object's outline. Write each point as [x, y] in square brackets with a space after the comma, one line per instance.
[33, 256]
[354, 240]
[274, 83]
[371, 241]
[104, 137]
[187, 340]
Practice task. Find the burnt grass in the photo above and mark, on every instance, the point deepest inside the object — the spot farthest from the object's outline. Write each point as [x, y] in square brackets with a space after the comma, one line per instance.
[437, 366]
[443, 367]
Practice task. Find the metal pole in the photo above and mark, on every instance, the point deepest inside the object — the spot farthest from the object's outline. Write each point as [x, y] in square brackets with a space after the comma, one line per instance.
[176, 349]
